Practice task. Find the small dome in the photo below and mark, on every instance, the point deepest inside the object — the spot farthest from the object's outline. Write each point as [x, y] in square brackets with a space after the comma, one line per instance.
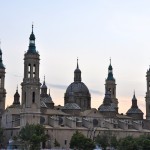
[77, 87]
[104, 108]
[44, 86]
[77, 70]
[134, 111]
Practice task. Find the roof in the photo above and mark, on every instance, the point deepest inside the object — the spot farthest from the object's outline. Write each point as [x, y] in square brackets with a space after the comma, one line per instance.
[91, 113]
[120, 116]
[134, 111]
[13, 110]
[55, 112]
[77, 87]
[106, 108]
[71, 106]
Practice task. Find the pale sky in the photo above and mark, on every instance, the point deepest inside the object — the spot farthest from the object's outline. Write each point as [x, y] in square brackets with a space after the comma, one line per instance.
[93, 31]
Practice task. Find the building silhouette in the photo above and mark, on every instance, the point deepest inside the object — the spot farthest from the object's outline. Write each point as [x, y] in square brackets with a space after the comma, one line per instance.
[37, 107]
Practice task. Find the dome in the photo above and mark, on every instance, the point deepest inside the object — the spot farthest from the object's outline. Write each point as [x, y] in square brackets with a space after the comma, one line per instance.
[77, 87]
[134, 111]
[46, 99]
[104, 108]
[77, 70]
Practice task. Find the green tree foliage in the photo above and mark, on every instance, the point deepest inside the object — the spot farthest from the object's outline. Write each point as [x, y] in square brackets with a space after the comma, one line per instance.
[102, 140]
[80, 142]
[32, 135]
[113, 141]
[128, 143]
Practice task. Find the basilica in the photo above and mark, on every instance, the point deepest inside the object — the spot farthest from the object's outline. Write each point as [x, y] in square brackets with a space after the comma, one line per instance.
[36, 106]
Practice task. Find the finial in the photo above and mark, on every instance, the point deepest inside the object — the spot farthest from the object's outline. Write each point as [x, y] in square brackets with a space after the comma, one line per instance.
[77, 63]
[17, 88]
[32, 27]
[0, 43]
[110, 60]
[44, 80]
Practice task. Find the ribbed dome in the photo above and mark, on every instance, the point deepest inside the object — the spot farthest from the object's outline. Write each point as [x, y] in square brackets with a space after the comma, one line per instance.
[134, 111]
[76, 87]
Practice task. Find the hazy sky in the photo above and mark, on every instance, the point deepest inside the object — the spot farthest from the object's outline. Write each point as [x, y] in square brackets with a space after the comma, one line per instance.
[93, 31]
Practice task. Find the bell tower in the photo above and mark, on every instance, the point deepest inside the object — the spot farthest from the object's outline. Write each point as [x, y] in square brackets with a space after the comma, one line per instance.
[2, 85]
[110, 85]
[31, 85]
[147, 98]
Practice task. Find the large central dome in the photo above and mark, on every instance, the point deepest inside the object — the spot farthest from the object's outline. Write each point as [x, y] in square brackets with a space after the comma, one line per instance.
[77, 92]
[76, 87]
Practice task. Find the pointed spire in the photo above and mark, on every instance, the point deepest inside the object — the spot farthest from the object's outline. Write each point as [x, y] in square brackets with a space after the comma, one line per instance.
[134, 101]
[17, 88]
[44, 88]
[44, 80]
[77, 63]
[77, 73]
[110, 72]
[16, 97]
[32, 47]
[32, 27]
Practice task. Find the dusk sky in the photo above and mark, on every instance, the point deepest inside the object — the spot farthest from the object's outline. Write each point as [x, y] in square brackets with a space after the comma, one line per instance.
[93, 31]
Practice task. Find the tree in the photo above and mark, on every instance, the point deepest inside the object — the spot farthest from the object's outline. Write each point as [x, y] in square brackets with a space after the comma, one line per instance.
[128, 143]
[32, 135]
[113, 142]
[80, 142]
[102, 140]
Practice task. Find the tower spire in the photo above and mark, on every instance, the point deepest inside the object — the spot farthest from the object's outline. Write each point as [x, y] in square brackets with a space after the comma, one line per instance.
[110, 72]
[44, 80]
[77, 63]
[32, 47]
[134, 101]
[32, 27]
[77, 73]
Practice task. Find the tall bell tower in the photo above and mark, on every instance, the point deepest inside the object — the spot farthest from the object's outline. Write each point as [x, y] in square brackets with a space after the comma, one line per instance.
[31, 85]
[2, 86]
[147, 98]
[110, 85]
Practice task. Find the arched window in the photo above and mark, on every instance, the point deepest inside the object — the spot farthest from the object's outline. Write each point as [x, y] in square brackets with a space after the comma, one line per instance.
[29, 70]
[34, 67]
[33, 97]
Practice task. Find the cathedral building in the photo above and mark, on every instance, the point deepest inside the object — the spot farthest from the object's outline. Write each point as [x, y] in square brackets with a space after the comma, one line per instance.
[36, 106]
